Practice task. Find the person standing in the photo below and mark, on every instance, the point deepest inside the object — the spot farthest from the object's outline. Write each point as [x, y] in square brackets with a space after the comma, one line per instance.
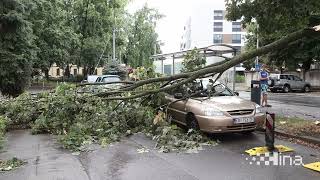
[264, 77]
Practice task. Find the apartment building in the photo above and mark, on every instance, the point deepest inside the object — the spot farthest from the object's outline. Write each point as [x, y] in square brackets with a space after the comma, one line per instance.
[210, 26]
[206, 26]
[227, 32]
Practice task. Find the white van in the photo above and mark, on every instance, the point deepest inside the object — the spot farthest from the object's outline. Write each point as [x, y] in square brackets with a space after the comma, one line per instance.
[92, 78]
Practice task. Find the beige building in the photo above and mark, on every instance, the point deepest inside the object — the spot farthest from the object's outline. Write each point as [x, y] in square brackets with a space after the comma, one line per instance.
[56, 71]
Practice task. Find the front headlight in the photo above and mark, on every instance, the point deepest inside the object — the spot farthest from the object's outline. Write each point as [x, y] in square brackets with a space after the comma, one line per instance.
[212, 112]
[258, 109]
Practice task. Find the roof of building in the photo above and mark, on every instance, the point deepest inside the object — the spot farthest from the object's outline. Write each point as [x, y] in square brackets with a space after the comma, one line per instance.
[212, 50]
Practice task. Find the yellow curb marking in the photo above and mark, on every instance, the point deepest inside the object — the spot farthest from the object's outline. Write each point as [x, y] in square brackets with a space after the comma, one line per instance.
[314, 166]
[264, 149]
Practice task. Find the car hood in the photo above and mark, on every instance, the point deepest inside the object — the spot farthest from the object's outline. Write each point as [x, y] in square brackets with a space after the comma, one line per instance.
[228, 103]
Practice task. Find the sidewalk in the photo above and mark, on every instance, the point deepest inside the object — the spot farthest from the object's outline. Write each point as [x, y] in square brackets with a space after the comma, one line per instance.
[288, 110]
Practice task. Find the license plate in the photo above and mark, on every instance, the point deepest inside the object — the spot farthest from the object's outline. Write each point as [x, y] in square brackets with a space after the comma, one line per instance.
[243, 120]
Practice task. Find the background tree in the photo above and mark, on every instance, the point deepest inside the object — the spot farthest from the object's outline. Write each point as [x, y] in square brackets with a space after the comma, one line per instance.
[17, 50]
[56, 40]
[193, 60]
[277, 19]
[143, 37]
[95, 22]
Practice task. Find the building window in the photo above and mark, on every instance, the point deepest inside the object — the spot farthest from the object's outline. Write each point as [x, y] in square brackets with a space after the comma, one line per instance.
[75, 72]
[236, 26]
[236, 38]
[217, 26]
[217, 38]
[218, 15]
[58, 72]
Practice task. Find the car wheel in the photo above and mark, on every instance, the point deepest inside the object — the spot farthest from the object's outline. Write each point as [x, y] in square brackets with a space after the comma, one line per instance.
[271, 82]
[192, 122]
[306, 89]
[286, 88]
[273, 90]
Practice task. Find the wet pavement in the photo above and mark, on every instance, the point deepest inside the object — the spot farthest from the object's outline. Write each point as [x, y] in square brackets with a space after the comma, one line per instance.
[121, 161]
[301, 105]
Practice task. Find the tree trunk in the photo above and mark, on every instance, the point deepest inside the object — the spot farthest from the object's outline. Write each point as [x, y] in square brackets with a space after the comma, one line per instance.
[85, 71]
[67, 71]
[46, 73]
[306, 67]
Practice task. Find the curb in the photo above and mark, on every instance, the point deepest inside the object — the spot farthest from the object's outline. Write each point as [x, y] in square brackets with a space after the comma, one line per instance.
[303, 138]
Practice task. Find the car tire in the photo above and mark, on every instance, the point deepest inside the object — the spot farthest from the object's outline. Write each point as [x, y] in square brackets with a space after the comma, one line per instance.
[192, 122]
[286, 88]
[271, 82]
[306, 89]
[273, 90]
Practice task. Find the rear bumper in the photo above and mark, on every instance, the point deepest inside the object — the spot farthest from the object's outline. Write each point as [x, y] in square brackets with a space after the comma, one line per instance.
[226, 124]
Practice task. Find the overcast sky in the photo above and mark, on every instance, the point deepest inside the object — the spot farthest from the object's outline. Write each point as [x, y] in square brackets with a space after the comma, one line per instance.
[170, 28]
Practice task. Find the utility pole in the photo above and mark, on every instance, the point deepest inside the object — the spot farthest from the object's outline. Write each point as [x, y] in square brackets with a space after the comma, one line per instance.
[114, 45]
[257, 57]
[114, 36]
[234, 74]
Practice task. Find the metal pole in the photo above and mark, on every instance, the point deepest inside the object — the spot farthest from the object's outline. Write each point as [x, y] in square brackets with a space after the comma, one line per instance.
[257, 57]
[114, 36]
[269, 134]
[173, 65]
[162, 66]
[114, 45]
[234, 75]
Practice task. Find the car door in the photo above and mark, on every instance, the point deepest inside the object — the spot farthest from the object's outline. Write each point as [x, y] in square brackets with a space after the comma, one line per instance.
[177, 108]
[299, 82]
[292, 82]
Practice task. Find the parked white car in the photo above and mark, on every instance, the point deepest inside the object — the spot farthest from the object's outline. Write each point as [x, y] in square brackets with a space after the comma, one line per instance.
[287, 83]
[92, 78]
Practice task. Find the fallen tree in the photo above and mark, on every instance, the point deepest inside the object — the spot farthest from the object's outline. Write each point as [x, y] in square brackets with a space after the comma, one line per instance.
[80, 119]
[214, 69]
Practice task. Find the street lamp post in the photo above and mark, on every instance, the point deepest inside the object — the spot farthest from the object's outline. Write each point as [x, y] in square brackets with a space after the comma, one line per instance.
[114, 45]
[257, 58]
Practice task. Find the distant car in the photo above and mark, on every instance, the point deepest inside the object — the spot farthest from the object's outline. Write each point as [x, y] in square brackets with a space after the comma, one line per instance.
[108, 78]
[215, 109]
[287, 83]
[92, 78]
[112, 79]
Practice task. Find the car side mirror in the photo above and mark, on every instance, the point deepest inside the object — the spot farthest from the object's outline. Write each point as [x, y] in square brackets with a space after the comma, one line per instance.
[178, 95]
[236, 93]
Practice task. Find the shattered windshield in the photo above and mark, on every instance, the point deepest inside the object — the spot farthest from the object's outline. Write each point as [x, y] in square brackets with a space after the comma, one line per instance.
[203, 88]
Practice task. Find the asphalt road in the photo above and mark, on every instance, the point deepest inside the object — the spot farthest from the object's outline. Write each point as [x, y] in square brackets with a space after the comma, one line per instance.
[121, 161]
[304, 99]
[302, 105]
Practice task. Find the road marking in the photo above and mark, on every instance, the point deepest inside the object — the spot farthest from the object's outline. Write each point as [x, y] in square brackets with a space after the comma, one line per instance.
[314, 166]
[262, 150]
